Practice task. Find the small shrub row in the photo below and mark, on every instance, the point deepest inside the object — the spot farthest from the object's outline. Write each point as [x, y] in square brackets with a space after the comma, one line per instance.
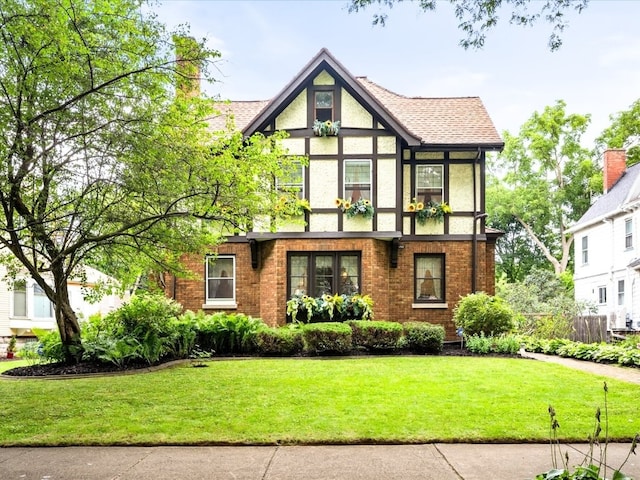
[503, 344]
[624, 353]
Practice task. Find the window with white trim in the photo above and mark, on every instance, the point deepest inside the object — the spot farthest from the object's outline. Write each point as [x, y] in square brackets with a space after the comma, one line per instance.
[429, 278]
[31, 301]
[357, 180]
[20, 298]
[585, 250]
[602, 295]
[628, 234]
[620, 292]
[429, 183]
[221, 279]
[293, 180]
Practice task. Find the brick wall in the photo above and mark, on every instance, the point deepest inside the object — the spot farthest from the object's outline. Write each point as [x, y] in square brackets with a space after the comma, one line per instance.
[263, 292]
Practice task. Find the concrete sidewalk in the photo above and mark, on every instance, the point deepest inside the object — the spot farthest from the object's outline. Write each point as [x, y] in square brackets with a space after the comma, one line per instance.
[362, 462]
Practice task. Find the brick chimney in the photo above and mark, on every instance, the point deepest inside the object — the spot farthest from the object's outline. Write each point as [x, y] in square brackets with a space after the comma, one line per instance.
[615, 163]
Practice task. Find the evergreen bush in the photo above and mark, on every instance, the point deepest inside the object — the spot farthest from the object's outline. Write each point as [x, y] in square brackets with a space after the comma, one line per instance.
[423, 337]
[376, 336]
[327, 338]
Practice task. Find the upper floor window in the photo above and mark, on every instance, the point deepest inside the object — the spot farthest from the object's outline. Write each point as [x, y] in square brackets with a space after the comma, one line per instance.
[628, 233]
[221, 279]
[319, 273]
[357, 179]
[429, 278]
[323, 105]
[585, 250]
[429, 183]
[293, 180]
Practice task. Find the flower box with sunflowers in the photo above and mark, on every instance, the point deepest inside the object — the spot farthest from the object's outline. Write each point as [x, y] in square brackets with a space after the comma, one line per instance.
[361, 207]
[326, 129]
[429, 210]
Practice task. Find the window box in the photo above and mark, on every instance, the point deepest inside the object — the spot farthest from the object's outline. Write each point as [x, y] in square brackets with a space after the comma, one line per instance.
[326, 128]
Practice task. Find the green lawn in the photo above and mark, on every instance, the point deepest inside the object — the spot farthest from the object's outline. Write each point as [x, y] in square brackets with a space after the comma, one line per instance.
[362, 399]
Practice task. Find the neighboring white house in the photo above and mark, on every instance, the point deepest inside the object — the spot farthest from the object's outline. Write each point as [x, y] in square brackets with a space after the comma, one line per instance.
[607, 247]
[24, 306]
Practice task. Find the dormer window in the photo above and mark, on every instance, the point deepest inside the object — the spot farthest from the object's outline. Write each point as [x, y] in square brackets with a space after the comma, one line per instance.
[323, 106]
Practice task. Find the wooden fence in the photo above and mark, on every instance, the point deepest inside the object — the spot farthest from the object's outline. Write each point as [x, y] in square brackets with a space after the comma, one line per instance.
[590, 329]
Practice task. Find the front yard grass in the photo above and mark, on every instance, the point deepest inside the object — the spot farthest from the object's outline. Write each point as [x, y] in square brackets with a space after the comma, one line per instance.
[406, 399]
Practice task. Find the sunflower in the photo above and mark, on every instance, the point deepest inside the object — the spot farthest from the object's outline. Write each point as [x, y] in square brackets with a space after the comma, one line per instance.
[338, 202]
[328, 123]
[346, 204]
[412, 207]
[419, 206]
[433, 210]
[366, 202]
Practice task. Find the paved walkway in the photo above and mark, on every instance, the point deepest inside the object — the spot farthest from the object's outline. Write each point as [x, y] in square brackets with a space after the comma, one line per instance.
[355, 462]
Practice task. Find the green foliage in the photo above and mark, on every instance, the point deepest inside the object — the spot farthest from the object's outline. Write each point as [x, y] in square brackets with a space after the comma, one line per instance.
[51, 345]
[503, 344]
[89, 187]
[223, 333]
[549, 183]
[478, 313]
[594, 465]
[476, 17]
[623, 133]
[279, 341]
[330, 308]
[423, 337]
[376, 336]
[327, 338]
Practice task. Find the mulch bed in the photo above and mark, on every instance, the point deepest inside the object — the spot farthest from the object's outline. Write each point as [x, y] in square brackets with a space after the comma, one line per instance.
[89, 368]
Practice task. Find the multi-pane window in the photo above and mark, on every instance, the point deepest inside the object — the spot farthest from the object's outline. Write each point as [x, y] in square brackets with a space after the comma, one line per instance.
[323, 105]
[357, 179]
[293, 180]
[221, 279]
[620, 292]
[585, 250]
[319, 273]
[602, 295]
[628, 233]
[429, 183]
[429, 278]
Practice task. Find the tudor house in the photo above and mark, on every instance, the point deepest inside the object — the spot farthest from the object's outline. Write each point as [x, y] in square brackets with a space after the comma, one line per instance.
[391, 157]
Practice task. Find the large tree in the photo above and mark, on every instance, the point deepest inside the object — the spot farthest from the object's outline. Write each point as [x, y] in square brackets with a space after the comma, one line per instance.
[477, 17]
[549, 180]
[624, 132]
[102, 159]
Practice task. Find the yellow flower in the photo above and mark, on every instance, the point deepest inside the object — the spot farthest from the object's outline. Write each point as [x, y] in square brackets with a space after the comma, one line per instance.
[366, 202]
[433, 210]
[419, 206]
[346, 204]
[328, 123]
[283, 199]
[412, 207]
[338, 202]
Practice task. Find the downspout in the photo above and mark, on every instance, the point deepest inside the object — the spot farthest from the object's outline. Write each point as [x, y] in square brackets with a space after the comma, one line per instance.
[476, 217]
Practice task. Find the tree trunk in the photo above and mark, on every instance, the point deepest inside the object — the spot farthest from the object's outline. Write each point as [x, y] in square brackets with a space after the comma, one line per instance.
[67, 320]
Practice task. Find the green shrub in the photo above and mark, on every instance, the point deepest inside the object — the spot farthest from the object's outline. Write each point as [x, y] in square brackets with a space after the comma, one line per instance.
[224, 333]
[376, 335]
[553, 326]
[423, 337]
[279, 341]
[478, 312]
[327, 338]
[504, 344]
[50, 345]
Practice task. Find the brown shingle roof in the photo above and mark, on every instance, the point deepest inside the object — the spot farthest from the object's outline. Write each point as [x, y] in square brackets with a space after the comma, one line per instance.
[448, 120]
[432, 121]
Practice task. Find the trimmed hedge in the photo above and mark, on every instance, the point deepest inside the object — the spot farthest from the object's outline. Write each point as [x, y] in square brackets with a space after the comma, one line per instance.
[279, 341]
[423, 337]
[327, 338]
[376, 336]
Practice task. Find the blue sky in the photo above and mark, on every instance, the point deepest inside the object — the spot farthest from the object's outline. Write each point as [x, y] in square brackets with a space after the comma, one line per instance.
[265, 43]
